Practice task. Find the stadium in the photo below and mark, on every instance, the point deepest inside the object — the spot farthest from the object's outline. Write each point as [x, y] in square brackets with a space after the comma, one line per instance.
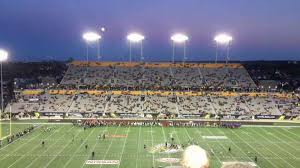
[131, 114]
[160, 84]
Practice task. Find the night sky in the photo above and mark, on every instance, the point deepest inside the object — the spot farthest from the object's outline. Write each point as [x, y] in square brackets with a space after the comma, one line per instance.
[34, 30]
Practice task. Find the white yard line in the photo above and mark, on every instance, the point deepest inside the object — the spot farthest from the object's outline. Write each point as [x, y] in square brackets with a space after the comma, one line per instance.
[94, 145]
[48, 146]
[111, 141]
[272, 126]
[206, 143]
[124, 146]
[19, 140]
[45, 123]
[291, 133]
[70, 159]
[231, 156]
[275, 144]
[60, 151]
[284, 141]
[35, 148]
[138, 148]
[251, 146]
[293, 140]
[166, 141]
[238, 147]
[153, 161]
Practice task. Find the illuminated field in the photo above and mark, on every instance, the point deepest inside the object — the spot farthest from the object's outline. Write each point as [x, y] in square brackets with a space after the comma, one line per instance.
[274, 146]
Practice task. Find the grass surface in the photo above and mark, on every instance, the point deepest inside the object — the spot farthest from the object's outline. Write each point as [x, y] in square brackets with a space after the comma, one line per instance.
[274, 147]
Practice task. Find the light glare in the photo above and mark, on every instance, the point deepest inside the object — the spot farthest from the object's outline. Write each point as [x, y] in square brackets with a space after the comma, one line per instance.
[194, 157]
[3, 55]
[223, 38]
[91, 36]
[179, 38]
[135, 37]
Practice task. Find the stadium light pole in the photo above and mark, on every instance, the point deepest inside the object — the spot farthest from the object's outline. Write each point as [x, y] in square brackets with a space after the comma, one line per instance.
[3, 57]
[91, 37]
[223, 39]
[102, 29]
[179, 38]
[135, 38]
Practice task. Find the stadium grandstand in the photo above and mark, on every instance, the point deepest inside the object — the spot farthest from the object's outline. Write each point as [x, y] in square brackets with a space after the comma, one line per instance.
[134, 114]
[123, 89]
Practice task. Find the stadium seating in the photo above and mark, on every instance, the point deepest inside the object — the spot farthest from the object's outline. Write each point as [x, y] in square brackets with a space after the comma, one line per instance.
[148, 98]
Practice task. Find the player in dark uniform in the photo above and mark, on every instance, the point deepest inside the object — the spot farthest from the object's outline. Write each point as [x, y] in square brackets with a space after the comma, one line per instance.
[255, 159]
[229, 149]
[43, 143]
[145, 146]
[86, 146]
[93, 154]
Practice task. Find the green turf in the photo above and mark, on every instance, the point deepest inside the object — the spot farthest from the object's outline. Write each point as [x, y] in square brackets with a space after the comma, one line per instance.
[275, 147]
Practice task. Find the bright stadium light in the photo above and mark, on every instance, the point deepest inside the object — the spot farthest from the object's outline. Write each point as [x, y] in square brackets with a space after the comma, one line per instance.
[135, 38]
[223, 39]
[91, 37]
[179, 38]
[3, 57]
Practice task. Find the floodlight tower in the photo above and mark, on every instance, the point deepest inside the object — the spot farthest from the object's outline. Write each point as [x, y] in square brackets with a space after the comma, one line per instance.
[179, 38]
[225, 40]
[135, 38]
[91, 37]
[3, 57]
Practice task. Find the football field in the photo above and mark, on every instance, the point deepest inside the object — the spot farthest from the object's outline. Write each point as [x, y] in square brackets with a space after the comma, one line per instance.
[144, 147]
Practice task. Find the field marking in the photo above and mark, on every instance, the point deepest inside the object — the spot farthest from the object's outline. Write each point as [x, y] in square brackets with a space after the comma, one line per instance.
[293, 139]
[272, 151]
[142, 156]
[277, 144]
[36, 123]
[177, 137]
[124, 146]
[25, 143]
[221, 144]
[272, 126]
[282, 140]
[166, 141]
[106, 128]
[111, 141]
[85, 140]
[20, 139]
[153, 161]
[199, 135]
[238, 147]
[61, 150]
[48, 147]
[32, 150]
[251, 146]
[291, 132]
[138, 147]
